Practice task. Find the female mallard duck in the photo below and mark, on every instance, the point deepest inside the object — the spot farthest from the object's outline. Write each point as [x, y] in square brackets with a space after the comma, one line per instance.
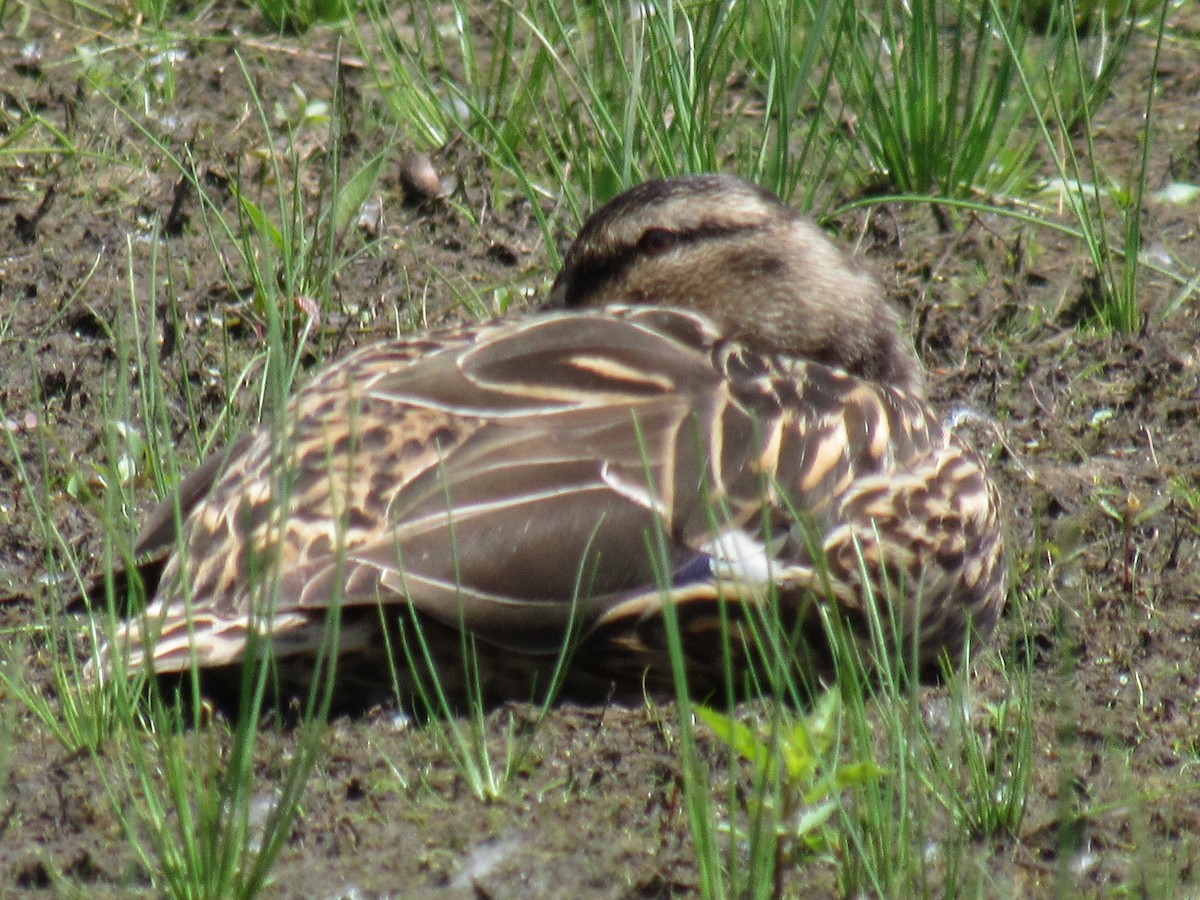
[720, 415]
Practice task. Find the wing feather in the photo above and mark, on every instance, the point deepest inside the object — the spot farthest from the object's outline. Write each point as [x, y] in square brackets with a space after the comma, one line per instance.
[508, 481]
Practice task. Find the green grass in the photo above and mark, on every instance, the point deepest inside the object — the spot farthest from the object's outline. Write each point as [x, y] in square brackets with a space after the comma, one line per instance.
[932, 86]
[569, 104]
[566, 104]
[879, 784]
[460, 722]
[936, 92]
[1114, 296]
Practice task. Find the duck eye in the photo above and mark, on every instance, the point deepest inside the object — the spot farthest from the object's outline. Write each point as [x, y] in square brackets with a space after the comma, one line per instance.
[656, 241]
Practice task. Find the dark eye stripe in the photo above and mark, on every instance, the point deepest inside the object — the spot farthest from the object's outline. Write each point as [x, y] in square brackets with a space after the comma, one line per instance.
[656, 241]
[592, 272]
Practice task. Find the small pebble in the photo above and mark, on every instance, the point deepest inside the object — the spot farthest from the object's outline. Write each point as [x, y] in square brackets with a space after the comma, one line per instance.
[419, 179]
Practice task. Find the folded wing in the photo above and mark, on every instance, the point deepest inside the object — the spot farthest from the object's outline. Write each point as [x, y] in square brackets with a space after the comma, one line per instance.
[567, 471]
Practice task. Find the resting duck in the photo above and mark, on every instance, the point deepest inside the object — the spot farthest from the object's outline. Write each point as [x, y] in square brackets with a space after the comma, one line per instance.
[718, 413]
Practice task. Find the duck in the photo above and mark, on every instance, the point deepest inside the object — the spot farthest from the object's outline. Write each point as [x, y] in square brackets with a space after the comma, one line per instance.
[715, 420]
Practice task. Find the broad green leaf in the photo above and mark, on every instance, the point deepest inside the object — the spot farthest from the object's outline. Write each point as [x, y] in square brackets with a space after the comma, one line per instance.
[356, 192]
[748, 744]
[814, 817]
[260, 221]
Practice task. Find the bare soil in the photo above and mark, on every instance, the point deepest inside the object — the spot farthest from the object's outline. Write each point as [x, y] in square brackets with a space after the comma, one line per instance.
[1097, 447]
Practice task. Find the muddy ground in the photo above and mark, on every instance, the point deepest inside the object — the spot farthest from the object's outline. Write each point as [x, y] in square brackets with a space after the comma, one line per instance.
[1097, 452]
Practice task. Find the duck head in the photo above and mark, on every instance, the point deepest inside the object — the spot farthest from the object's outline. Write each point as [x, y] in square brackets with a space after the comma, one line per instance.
[767, 276]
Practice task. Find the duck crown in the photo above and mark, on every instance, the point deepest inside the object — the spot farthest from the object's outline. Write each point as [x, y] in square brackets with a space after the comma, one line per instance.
[734, 252]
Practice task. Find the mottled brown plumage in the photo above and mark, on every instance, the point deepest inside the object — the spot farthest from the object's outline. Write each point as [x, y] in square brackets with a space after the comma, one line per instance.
[719, 414]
